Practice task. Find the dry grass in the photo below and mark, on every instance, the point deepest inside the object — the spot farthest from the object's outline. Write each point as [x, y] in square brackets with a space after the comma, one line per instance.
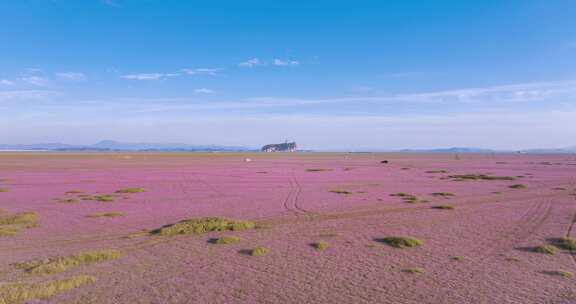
[402, 242]
[408, 198]
[130, 190]
[436, 171]
[259, 251]
[225, 240]
[203, 225]
[4, 189]
[16, 293]
[106, 214]
[60, 264]
[458, 258]
[10, 225]
[74, 192]
[69, 200]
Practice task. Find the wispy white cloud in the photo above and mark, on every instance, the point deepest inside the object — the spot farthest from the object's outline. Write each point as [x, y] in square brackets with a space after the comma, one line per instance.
[204, 91]
[6, 82]
[73, 76]
[35, 80]
[285, 62]
[202, 71]
[251, 63]
[27, 95]
[149, 76]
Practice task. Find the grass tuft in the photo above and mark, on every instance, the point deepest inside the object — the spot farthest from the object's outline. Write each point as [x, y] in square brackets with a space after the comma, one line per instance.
[60, 264]
[436, 171]
[203, 225]
[458, 258]
[106, 214]
[321, 245]
[546, 249]
[225, 240]
[259, 251]
[565, 243]
[408, 198]
[317, 170]
[74, 192]
[16, 293]
[104, 198]
[130, 190]
[402, 242]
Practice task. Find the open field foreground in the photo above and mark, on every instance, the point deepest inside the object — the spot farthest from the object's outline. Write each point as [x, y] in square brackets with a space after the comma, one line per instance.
[291, 228]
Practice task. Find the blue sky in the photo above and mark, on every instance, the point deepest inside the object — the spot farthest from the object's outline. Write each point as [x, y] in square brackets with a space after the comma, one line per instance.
[328, 74]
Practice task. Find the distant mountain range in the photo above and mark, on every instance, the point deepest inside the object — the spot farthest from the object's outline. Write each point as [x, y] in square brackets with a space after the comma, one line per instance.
[110, 145]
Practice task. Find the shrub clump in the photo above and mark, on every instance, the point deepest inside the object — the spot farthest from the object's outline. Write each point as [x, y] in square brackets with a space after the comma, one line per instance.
[562, 273]
[60, 264]
[321, 245]
[414, 270]
[339, 191]
[402, 242]
[130, 190]
[480, 177]
[259, 251]
[104, 198]
[203, 225]
[12, 224]
[565, 243]
[546, 249]
[517, 186]
[443, 207]
[408, 198]
[225, 240]
[442, 194]
[15, 293]
[106, 214]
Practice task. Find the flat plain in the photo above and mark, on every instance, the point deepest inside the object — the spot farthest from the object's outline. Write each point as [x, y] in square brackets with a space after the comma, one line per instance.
[287, 228]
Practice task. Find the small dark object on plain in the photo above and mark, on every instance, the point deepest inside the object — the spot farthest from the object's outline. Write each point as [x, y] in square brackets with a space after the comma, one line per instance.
[384, 162]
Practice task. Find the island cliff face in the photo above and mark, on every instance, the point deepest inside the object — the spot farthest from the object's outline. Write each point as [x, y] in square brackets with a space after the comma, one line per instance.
[285, 147]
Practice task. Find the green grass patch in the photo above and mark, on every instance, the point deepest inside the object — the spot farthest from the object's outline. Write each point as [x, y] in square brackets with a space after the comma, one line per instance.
[16, 293]
[203, 225]
[106, 214]
[60, 264]
[402, 242]
[131, 190]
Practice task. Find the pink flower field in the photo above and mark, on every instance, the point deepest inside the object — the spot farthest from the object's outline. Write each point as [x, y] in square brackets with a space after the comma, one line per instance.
[324, 222]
